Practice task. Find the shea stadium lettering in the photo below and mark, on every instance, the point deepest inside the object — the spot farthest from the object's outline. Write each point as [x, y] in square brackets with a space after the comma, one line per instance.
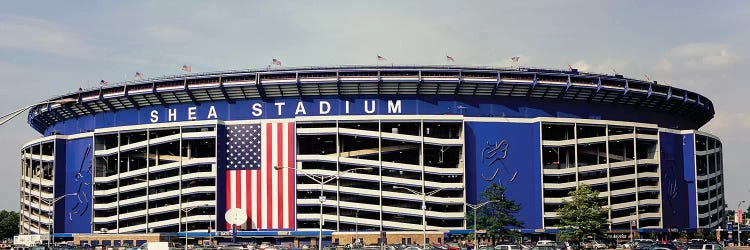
[278, 109]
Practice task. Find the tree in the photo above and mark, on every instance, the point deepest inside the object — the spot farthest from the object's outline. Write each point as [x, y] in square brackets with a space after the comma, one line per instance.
[8, 224]
[581, 214]
[497, 218]
[683, 235]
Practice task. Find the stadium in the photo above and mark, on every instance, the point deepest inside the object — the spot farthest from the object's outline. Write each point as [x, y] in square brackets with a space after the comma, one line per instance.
[389, 151]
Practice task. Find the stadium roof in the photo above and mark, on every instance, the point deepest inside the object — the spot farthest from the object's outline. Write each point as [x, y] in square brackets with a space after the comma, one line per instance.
[272, 82]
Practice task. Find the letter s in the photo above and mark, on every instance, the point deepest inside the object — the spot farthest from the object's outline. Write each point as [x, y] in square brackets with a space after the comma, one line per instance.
[154, 116]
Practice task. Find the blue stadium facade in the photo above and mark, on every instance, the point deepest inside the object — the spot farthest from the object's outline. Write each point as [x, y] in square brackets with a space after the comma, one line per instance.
[131, 157]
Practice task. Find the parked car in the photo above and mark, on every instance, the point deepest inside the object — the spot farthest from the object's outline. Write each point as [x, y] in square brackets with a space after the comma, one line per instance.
[705, 247]
[543, 248]
[545, 243]
[507, 247]
[598, 245]
[668, 246]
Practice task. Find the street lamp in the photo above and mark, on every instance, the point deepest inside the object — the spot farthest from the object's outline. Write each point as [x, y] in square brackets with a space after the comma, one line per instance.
[424, 208]
[7, 117]
[187, 210]
[356, 227]
[475, 207]
[322, 179]
[739, 224]
[51, 203]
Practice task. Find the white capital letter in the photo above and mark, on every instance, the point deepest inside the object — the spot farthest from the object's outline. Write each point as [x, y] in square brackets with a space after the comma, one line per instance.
[300, 109]
[346, 110]
[191, 113]
[369, 109]
[257, 111]
[394, 107]
[279, 104]
[172, 116]
[212, 113]
[154, 116]
[325, 107]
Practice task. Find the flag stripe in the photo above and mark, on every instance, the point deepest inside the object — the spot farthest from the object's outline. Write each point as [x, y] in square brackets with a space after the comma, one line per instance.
[269, 162]
[258, 176]
[243, 204]
[250, 195]
[280, 161]
[253, 200]
[290, 177]
[238, 192]
[229, 192]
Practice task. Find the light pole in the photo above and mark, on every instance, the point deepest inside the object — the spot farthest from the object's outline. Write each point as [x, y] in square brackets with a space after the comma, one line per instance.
[51, 203]
[187, 210]
[356, 227]
[475, 207]
[424, 208]
[322, 179]
[739, 224]
[9, 116]
[631, 224]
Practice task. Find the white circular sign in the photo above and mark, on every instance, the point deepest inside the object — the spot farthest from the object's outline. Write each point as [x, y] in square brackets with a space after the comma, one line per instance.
[236, 216]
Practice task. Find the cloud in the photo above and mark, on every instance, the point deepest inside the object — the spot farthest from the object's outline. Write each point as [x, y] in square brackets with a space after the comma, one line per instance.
[664, 65]
[582, 66]
[214, 12]
[22, 33]
[169, 34]
[696, 56]
[607, 66]
[724, 123]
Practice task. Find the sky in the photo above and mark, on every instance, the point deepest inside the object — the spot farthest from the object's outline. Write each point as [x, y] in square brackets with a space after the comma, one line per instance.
[49, 48]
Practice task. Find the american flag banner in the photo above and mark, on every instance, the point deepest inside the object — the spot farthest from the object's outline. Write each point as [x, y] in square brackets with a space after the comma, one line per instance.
[252, 183]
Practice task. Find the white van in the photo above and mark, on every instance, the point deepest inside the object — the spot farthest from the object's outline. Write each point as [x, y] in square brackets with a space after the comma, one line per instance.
[160, 246]
[545, 243]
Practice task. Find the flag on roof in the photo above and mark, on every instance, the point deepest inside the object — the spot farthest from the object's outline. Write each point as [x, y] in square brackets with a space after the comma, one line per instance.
[187, 68]
[138, 75]
[381, 58]
[450, 59]
[650, 91]
[276, 62]
[515, 58]
[103, 82]
[669, 93]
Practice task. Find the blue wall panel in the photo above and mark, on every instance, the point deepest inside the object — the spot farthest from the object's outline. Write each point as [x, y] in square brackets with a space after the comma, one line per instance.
[77, 179]
[516, 165]
[476, 106]
[674, 188]
[221, 177]
[60, 178]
